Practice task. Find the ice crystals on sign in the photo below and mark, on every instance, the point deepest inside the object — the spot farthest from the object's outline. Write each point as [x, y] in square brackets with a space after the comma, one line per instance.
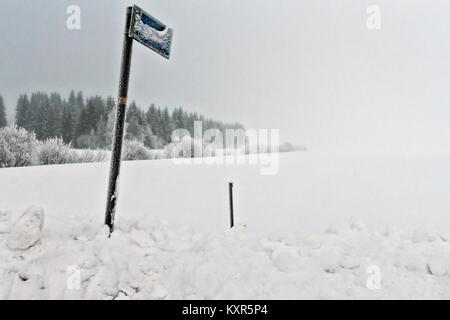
[150, 32]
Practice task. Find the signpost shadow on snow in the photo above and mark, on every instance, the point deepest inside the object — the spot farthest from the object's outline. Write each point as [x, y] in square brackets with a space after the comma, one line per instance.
[145, 29]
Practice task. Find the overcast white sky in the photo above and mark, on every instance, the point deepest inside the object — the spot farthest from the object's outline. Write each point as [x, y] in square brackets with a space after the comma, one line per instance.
[309, 68]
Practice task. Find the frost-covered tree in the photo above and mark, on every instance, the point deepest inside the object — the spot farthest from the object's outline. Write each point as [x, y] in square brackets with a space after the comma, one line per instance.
[80, 100]
[3, 121]
[152, 119]
[38, 115]
[94, 111]
[66, 122]
[137, 127]
[56, 109]
[177, 118]
[110, 105]
[72, 116]
[22, 111]
[167, 125]
[135, 131]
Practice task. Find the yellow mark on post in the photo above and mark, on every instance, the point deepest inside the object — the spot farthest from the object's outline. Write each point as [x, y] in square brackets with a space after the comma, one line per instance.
[123, 101]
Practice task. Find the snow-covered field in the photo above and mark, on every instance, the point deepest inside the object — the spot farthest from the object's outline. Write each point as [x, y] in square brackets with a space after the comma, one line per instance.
[323, 227]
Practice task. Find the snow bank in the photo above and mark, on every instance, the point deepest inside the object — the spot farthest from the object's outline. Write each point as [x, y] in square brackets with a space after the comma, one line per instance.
[282, 254]
[150, 259]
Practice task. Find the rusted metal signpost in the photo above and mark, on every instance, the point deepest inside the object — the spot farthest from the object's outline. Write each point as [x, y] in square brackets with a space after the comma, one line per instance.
[145, 29]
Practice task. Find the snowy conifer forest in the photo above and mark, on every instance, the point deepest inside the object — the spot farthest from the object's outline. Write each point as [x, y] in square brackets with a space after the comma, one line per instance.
[53, 128]
[87, 123]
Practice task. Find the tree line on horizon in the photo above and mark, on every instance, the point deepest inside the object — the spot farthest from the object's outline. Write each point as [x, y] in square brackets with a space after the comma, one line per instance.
[89, 122]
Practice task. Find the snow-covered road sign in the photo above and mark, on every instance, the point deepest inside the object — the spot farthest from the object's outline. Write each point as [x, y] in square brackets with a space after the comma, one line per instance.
[142, 27]
[150, 32]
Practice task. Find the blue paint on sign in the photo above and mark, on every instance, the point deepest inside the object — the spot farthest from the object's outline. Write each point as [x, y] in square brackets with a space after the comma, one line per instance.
[152, 22]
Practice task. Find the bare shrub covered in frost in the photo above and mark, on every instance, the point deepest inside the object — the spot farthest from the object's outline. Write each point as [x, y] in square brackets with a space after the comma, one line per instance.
[135, 150]
[90, 156]
[54, 151]
[186, 147]
[18, 147]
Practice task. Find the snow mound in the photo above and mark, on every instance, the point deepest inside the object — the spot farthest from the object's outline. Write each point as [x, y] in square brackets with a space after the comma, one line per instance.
[424, 235]
[439, 266]
[150, 259]
[26, 232]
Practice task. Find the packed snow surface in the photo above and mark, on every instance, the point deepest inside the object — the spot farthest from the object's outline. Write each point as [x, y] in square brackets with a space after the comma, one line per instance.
[152, 260]
[320, 229]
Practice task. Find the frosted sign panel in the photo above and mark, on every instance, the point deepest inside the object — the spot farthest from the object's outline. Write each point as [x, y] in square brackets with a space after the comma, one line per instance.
[150, 32]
